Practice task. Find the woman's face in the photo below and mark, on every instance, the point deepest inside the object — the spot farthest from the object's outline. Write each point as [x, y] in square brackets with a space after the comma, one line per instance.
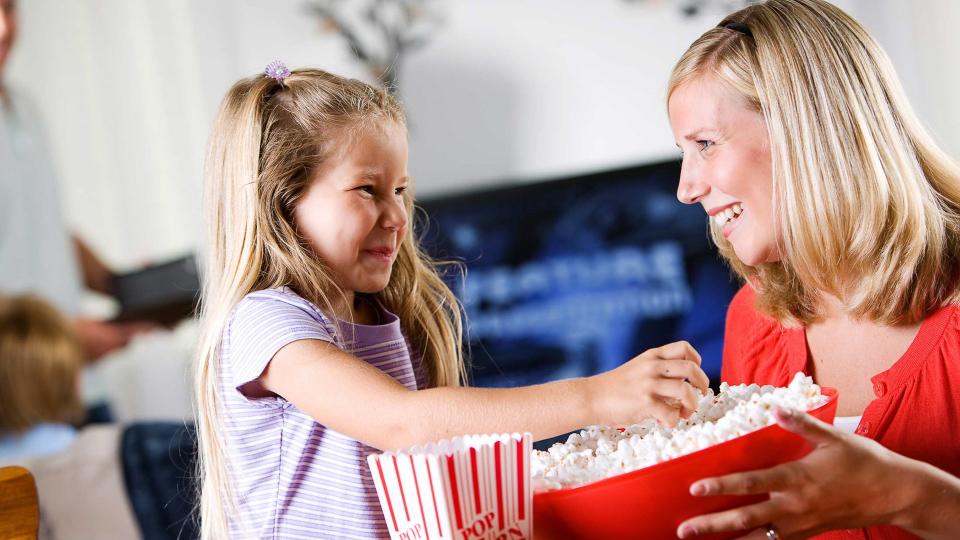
[726, 165]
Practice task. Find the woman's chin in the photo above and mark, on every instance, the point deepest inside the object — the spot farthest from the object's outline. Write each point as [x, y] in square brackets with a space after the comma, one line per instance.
[747, 255]
[751, 256]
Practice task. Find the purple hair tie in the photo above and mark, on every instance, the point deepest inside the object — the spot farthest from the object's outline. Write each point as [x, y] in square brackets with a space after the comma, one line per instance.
[277, 70]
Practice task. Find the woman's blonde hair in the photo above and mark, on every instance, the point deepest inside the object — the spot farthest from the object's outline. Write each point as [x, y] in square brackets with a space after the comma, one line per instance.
[40, 363]
[866, 205]
[268, 140]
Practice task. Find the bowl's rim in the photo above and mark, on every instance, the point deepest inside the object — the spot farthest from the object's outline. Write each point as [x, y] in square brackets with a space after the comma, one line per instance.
[828, 391]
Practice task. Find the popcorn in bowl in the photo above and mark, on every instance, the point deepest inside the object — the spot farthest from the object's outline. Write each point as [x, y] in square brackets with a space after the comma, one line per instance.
[635, 483]
[600, 452]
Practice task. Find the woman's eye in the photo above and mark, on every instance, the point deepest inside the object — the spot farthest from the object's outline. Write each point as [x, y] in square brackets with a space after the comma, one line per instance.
[704, 144]
[368, 190]
[401, 190]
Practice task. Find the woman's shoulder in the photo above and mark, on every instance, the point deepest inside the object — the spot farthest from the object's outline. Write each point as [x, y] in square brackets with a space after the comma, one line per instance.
[742, 313]
[756, 347]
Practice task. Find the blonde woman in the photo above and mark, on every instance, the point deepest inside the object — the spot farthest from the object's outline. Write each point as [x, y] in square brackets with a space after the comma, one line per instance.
[328, 334]
[842, 216]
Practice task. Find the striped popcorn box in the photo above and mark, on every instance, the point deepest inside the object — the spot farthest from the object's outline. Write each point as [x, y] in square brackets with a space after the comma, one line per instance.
[476, 486]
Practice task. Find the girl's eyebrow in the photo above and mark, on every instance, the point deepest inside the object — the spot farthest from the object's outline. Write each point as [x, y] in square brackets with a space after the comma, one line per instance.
[375, 175]
[368, 174]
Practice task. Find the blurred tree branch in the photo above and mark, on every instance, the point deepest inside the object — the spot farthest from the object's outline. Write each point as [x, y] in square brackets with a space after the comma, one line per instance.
[380, 32]
[692, 8]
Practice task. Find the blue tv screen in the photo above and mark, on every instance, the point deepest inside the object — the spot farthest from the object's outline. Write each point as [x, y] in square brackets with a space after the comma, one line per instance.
[573, 276]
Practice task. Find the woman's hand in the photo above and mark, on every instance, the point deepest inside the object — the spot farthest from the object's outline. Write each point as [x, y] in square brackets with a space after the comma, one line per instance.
[661, 383]
[846, 482]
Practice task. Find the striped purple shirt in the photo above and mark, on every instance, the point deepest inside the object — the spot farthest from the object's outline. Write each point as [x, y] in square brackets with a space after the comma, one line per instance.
[293, 477]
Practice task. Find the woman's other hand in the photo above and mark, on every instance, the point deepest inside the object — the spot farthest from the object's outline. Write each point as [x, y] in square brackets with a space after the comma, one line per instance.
[846, 482]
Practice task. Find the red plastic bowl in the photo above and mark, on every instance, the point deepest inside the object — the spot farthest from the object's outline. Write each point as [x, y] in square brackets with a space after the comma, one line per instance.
[650, 503]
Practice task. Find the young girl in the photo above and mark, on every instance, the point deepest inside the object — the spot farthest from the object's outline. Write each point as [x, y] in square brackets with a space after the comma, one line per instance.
[327, 333]
[843, 217]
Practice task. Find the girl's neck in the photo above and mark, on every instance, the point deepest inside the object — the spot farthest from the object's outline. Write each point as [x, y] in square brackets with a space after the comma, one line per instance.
[365, 310]
[358, 309]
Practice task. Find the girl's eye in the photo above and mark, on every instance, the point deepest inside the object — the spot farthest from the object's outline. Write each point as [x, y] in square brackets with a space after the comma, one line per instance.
[368, 190]
[401, 190]
[704, 144]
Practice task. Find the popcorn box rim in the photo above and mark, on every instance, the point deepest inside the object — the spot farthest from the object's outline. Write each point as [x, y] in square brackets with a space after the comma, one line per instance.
[831, 393]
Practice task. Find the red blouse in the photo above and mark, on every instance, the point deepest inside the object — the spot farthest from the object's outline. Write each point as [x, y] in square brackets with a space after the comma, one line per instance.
[917, 407]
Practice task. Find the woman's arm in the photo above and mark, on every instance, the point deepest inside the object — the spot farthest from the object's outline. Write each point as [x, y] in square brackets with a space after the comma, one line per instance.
[349, 395]
[846, 482]
[932, 497]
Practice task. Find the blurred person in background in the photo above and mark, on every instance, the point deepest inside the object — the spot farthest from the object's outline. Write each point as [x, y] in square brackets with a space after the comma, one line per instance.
[78, 472]
[38, 253]
[40, 364]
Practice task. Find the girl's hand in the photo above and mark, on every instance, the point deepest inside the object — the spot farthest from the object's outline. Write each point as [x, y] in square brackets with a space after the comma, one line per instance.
[846, 482]
[661, 383]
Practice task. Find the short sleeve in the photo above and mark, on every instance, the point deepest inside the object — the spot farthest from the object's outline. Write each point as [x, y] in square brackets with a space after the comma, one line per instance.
[262, 324]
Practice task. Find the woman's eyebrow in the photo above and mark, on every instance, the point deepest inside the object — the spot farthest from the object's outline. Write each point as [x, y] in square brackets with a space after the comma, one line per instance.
[698, 132]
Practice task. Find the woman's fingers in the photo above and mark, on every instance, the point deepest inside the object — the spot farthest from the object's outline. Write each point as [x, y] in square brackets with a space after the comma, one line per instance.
[776, 478]
[813, 429]
[744, 518]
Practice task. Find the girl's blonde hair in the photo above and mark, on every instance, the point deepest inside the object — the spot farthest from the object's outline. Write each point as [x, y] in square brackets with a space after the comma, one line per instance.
[866, 205]
[268, 140]
[40, 363]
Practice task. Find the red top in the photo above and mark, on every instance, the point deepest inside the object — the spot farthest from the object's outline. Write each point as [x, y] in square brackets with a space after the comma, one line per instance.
[917, 409]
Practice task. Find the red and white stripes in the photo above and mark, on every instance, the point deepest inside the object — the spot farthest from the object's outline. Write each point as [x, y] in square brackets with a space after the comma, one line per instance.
[477, 486]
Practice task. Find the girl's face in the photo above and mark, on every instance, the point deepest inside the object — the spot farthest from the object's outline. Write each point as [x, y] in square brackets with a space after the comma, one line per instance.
[726, 165]
[353, 214]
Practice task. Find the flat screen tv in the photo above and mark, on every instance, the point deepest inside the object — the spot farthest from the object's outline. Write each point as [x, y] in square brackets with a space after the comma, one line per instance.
[572, 276]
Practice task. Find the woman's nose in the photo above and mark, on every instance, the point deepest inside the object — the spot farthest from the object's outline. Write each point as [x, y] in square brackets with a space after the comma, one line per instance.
[691, 188]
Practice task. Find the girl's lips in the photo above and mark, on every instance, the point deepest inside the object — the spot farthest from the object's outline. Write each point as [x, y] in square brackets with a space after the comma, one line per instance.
[384, 254]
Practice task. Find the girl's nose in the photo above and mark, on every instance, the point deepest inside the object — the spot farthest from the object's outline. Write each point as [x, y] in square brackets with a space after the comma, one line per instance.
[394, 216]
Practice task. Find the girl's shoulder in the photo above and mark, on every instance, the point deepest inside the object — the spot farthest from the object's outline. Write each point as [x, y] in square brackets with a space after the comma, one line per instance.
[277, 298]
[259, 307]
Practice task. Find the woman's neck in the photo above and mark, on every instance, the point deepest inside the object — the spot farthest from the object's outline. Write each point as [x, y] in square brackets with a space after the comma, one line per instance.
[845, 352]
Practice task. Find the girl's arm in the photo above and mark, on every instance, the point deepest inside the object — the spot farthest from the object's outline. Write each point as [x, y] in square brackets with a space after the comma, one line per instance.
[352, 397]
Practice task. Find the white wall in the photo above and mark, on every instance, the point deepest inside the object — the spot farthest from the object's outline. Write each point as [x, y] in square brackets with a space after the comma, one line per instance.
[532, 89]
[922, 38]
[506, 90]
